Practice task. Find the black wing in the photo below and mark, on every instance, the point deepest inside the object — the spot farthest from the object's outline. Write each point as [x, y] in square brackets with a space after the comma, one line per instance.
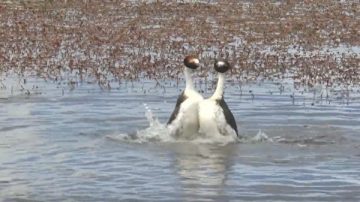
[228, 115]
[182, 97]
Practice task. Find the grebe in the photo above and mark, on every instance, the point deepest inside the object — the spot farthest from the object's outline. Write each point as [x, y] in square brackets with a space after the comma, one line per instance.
[184, 121]
[214, 114]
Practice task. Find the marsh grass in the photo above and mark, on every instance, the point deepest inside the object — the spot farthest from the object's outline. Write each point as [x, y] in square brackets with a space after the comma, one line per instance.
[106, 41]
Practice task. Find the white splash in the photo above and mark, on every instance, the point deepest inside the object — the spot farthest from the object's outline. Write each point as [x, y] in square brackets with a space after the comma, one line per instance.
[159, 132]
[261, 137]
[156, 131]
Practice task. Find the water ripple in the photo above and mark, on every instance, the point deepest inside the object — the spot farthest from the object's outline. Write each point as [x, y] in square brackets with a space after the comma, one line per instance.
[91, 145]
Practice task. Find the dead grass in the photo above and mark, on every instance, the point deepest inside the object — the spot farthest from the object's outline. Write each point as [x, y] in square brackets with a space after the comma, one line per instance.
[117, 40]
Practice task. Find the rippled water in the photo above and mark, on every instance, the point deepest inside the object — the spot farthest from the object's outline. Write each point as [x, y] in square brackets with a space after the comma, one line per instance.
[89, 144]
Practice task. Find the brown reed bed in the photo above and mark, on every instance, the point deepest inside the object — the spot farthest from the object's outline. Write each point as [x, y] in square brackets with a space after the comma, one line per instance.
[308, 41]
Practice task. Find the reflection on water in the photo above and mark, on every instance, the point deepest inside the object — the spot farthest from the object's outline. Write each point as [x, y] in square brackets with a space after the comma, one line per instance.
[203, 170]
[93, 145]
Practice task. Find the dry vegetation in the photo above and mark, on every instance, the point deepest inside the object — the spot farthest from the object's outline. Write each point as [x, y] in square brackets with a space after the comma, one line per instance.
[114, 40]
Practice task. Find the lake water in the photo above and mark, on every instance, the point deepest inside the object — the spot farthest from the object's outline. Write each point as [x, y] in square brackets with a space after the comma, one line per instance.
[88, 144]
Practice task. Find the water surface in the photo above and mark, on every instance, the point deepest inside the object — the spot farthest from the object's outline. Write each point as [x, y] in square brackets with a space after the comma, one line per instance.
[89, 144]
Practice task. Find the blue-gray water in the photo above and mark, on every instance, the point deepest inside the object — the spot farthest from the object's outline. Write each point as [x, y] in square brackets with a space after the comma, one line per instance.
[85, 145]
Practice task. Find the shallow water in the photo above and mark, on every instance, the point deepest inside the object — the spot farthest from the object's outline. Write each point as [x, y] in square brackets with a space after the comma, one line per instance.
[89, 144]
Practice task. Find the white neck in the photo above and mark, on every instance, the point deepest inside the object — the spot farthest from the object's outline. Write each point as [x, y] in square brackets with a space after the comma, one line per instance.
[188, 79]
[219, 87]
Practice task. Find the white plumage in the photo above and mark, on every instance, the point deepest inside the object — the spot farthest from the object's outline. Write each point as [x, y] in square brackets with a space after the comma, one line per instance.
[212, 120]
[215, 118]
[184, 121]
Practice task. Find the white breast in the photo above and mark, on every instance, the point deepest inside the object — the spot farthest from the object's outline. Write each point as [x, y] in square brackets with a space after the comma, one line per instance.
[186, 124]
[212, 122]
[208, 111]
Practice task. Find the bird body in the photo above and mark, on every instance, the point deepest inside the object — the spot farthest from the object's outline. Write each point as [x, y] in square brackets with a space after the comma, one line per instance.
[184, 121]
[215, 117]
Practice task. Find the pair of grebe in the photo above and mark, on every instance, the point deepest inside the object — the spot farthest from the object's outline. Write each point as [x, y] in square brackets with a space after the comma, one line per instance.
[195, 115]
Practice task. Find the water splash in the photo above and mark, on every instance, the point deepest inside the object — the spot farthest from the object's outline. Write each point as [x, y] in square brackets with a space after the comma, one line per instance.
[158, 132]
[155, 132]
[261, 137]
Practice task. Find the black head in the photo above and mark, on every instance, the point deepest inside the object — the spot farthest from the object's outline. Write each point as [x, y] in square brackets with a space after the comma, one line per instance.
[221, 66]
[191, 62]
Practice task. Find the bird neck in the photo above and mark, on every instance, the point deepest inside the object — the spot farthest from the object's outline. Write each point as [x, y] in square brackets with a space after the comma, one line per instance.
[188, 79]
[219, 91]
